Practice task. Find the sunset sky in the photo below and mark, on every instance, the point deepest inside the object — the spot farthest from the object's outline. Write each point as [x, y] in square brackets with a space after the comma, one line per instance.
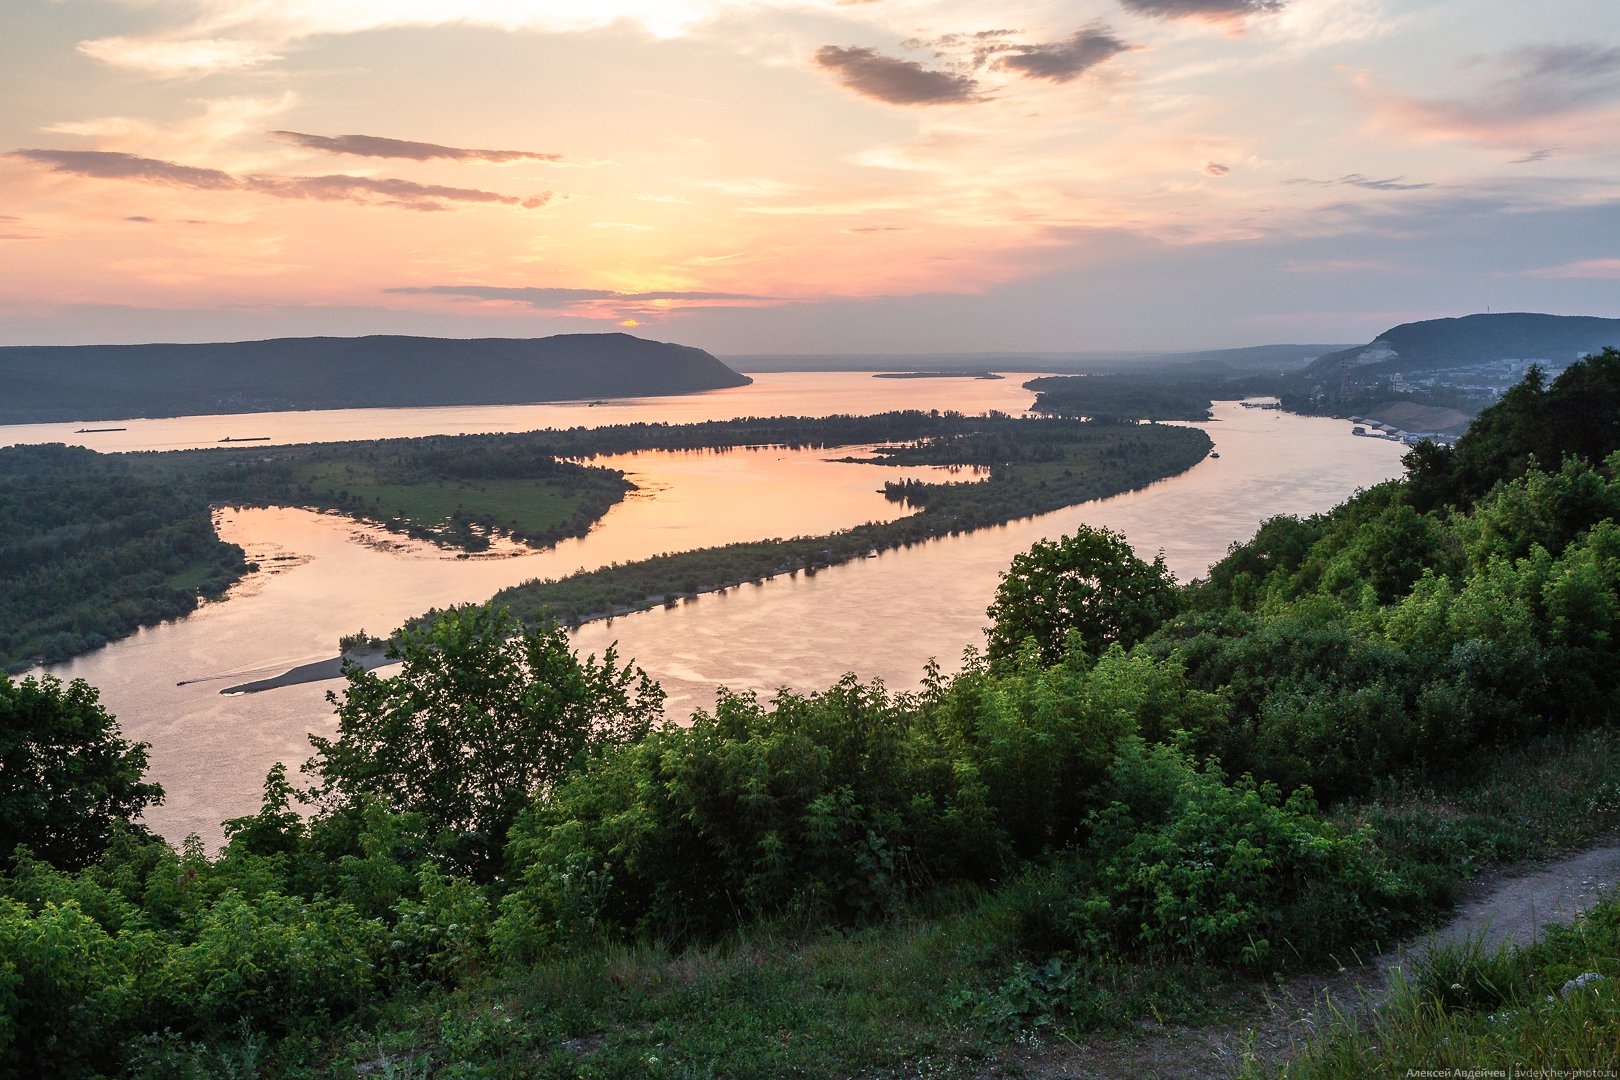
[781, 176]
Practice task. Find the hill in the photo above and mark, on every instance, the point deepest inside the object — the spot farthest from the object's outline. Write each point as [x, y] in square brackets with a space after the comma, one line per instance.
[116, 382]
[1457, 365]
[1554, 340]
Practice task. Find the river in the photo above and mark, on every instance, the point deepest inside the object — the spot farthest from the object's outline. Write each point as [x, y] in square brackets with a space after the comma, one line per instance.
[883, 617]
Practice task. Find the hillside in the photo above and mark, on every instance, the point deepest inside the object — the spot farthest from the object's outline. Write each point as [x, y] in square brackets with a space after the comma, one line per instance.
[1458, 365]
[1474, 339]
[1256, 358]
[116, 382]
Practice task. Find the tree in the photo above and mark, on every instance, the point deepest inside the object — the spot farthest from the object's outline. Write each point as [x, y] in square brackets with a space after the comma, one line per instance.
[1090, 585]
[68, 777]
[484, 712]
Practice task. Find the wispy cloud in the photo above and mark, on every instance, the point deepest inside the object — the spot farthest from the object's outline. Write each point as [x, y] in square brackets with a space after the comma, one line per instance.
[1568, 92]
[606, 304]
[378, 146]
[553, 298]
[1534, 156]
[1600, 269]
[1357, 180]
[895, 81]
[374, 191]
[235, 35]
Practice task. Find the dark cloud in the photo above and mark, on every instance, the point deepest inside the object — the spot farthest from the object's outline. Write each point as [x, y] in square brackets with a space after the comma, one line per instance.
[377, 146]
[1394, 183]
[1061, 61]
[1202, 9]
[898, 82]
[106, 165]
[1215, 168]
[140, 219]
[373, 191]
[553, 298]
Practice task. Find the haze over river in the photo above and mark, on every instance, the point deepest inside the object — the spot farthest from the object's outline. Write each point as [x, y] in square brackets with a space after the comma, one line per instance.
[324, 576]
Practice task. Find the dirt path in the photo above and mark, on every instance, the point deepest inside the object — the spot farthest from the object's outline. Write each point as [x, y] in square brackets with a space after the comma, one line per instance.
[1500, 909]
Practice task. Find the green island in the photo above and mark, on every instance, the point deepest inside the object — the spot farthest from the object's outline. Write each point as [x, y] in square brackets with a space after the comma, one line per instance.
[985, 375]
[1156, 396]
[94, 546]
[1028, 467]
[1141, 812]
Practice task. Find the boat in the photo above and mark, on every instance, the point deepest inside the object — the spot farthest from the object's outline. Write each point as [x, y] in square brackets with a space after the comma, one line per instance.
[97, 430]
[246, 438]
[1214, 453]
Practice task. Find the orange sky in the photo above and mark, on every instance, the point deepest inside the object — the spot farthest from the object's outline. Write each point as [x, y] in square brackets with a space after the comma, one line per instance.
[805, 175]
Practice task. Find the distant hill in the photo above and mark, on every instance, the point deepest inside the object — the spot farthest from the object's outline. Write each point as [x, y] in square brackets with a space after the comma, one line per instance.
[1257, 358]
[117, 382]
[1473, 339]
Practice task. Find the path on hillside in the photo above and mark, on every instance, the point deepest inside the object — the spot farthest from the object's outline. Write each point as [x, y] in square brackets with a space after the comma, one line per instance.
[1504, 908]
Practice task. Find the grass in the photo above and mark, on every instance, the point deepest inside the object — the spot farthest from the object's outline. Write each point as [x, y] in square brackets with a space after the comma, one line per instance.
[1554, 1005]
[1501, 807]
[519, 506]
[940, 994]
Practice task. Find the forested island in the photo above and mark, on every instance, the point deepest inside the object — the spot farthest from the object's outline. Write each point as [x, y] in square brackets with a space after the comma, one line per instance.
[1143, 804]
[116, 382]
[937, 375]
[1028, 467]
[94, 546]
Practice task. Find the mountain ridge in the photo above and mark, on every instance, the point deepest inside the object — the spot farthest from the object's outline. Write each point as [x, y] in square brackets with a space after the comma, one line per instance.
[49, 383]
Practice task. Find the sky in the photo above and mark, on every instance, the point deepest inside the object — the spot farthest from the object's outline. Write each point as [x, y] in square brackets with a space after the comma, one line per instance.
[804, 176]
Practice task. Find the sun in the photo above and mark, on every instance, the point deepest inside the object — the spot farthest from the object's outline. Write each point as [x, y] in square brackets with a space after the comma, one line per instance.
[627, 323]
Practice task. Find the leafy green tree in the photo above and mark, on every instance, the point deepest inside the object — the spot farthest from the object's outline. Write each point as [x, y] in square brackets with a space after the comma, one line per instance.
[67, 775]
[1089, 587]
[483, 713]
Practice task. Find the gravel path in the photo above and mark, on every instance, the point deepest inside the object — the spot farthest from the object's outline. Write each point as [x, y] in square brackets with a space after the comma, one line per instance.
[1500, 909]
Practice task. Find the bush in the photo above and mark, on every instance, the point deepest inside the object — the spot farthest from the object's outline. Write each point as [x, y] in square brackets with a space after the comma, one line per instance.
[1181, 863]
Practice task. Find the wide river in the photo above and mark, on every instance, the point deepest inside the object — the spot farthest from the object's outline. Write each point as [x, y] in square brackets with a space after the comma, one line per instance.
[885, 617]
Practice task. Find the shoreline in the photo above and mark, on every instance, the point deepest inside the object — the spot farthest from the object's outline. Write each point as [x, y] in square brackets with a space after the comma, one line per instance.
[316, 671]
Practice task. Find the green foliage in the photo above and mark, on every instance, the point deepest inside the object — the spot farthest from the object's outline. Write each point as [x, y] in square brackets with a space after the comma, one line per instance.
[1578, 415]
[835, 806]
[513, 873]
[1086, 591]
[68, 778]
[483, 714]
[93, 547]
[1181, 863]
[1127, 397]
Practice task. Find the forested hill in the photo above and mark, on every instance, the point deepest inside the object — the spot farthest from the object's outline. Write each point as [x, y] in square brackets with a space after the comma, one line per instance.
[109, 382]
[1474, 339]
